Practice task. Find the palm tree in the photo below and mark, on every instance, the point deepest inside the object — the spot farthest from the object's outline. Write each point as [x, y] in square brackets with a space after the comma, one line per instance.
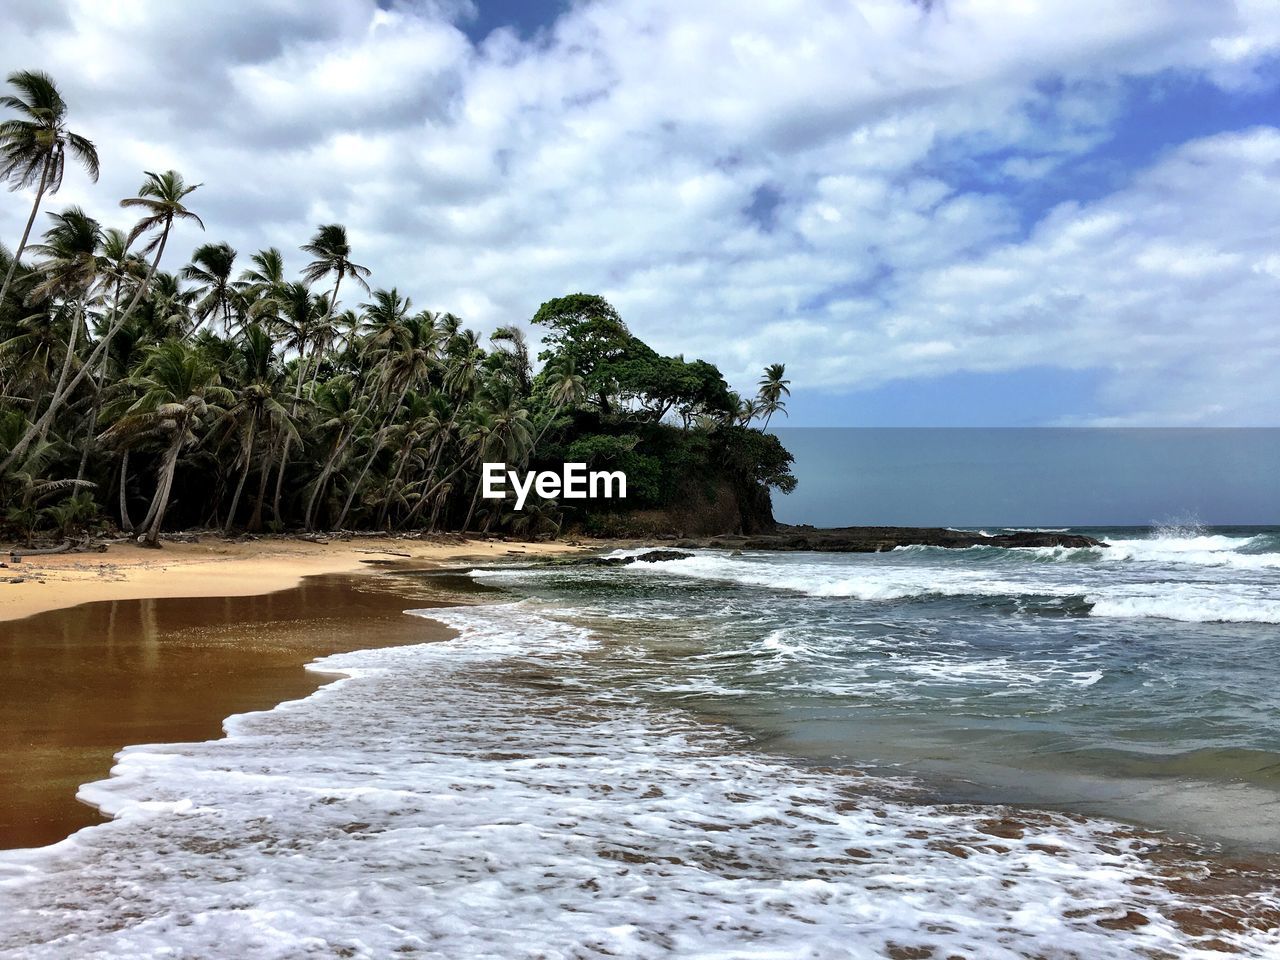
[772, 389]
[69, 269]
[181, 390]
[405, 357]
[210, 267]
[332, 253]
[161, 196]
[256, 407]
[34, 146]
[384, 317]
[413, 433]
[261, 286]
[513, 348]
[298, 317]
[564, 388]
[339, 413]
[500, 430]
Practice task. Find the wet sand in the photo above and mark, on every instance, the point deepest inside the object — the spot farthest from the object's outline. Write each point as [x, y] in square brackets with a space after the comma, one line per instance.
[78, 684]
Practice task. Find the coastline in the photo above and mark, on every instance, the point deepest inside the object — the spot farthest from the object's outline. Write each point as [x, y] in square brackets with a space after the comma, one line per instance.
[222, 568]
[134, 646]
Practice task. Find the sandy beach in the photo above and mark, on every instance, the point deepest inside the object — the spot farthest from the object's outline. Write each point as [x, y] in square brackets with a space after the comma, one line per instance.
[103, 650]
[219, 568]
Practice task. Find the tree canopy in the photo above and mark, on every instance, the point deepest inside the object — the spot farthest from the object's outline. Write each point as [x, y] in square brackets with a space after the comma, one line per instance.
[227, 391]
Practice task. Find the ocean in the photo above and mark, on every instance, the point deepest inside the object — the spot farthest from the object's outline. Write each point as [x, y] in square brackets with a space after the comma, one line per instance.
[1068, 753]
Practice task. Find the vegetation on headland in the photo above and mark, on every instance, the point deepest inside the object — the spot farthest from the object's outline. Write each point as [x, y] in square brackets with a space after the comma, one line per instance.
[226, 393]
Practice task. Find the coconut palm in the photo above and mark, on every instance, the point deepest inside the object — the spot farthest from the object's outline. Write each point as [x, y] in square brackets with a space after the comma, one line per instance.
[513, 353]
[339, 414]
[181, 392]
[256, 408]
[298, 316]
[400, 361]
[34, 146]
[68, 267]
[161, 196]
[210, 268]
[564, 388]
[261, 286]
[772, 389]
[332, 257]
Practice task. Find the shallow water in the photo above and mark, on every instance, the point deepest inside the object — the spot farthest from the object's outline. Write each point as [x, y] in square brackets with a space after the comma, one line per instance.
[1136, 681]
[78, 684]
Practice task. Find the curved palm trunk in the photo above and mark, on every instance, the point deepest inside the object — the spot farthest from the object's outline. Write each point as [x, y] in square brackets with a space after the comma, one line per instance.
[427, 498]
[325, 473]
[97, 396]
[378, 440]
[41, 425]
[395, 480]
[547, 426]
[125, 523]
[471, 512]
[161, 503]
[364, 472]
[26, 233]
[255, 521]
[244, 475]
[288, 437]
[328, 317]
[72, 339]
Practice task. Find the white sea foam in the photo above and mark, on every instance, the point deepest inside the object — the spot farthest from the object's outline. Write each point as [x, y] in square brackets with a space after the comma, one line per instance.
[1203, 551]
[1191, 604]
[862, 578]
[433, 806]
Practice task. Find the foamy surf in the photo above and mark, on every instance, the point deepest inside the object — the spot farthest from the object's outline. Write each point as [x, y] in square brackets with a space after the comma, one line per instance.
[870, 578]
[456, 800]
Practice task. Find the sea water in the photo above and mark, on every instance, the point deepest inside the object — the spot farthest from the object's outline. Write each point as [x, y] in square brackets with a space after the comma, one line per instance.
[915, 753]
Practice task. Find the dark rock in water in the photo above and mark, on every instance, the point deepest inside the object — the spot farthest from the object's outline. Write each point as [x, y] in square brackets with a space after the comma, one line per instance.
[877, 539]
[653, 556]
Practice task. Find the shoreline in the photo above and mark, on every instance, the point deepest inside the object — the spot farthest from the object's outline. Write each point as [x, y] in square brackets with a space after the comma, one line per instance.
[137, 646]
[222, 568]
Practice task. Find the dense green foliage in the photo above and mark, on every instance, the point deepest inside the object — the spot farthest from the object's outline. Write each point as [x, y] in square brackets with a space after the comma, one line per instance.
[227, 393]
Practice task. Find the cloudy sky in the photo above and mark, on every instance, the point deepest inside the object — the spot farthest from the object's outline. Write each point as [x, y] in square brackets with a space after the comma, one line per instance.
[1002, 212]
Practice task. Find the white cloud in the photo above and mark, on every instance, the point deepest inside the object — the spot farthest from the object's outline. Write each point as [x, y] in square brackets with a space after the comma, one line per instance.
[620, 151]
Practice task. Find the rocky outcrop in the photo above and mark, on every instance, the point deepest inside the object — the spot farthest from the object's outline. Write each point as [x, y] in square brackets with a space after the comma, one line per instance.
[701, 510]
[653, 556]
[877, 539]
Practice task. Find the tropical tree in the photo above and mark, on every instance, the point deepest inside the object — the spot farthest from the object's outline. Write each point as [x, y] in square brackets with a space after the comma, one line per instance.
[332, 257]
[210, 269]
[181, 392]
[772, 389]
[34, 147]
[256, 409]
[161, 198]
[261, 286]
[68, 269]
[564, 388]
[204, 379]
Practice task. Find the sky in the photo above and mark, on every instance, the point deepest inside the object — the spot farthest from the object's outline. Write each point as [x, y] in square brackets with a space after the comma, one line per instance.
[989, 213]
